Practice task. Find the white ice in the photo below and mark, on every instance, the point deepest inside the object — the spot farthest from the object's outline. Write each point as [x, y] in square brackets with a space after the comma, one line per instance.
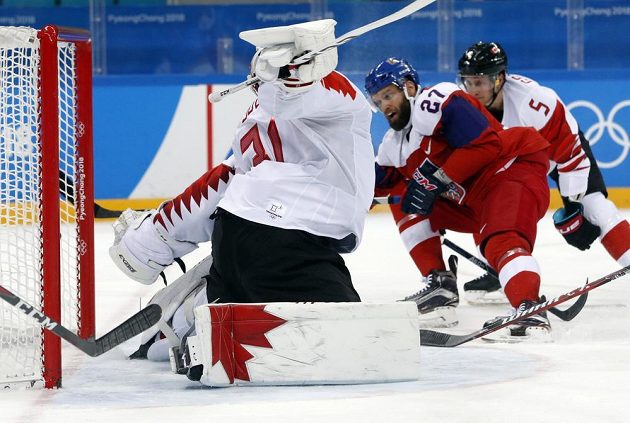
[583, 376]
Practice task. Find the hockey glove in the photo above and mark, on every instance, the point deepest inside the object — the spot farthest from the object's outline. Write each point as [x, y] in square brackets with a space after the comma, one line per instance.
[313, 36]
[270, 63]
[574, 227]
[422, 192]
[387, 177]
[138, 250]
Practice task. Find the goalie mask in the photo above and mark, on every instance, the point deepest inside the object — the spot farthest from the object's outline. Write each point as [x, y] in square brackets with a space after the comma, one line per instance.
[252, 71]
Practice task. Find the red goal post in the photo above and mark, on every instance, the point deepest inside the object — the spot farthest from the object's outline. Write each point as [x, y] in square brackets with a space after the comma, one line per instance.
[46, 194]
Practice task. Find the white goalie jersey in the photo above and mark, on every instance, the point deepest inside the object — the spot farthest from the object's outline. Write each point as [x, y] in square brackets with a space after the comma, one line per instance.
[301, 161]
[305, 161]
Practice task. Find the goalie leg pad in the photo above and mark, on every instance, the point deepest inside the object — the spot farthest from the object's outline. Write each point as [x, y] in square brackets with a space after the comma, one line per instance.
[305, 343]
[170, 299]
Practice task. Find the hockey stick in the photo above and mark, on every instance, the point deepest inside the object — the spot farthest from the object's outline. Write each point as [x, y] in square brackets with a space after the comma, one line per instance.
[566, 315]
[480, 263]
[404, 12]
[441, 339]
[392, 199]
[101, 212]
[66, 187]
[131, 327]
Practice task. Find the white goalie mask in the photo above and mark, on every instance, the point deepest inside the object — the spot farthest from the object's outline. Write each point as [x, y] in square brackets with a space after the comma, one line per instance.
[252, 71]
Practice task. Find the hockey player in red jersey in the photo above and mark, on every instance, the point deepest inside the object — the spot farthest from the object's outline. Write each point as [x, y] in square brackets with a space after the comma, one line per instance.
[457, 169]
[519, 101]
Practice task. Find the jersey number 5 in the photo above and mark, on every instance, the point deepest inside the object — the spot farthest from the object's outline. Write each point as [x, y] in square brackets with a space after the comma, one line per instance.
[539, 106]
[252, 137]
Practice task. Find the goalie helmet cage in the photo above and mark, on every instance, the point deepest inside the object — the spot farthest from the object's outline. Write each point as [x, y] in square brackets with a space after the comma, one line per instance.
[46, 195]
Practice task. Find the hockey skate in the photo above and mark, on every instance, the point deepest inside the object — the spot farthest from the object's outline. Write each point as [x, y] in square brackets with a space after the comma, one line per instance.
[485, 289]
[533, 328]
[436, 301]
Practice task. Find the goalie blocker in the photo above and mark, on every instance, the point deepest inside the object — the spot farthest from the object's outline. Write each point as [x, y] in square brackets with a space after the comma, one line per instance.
[301, 344]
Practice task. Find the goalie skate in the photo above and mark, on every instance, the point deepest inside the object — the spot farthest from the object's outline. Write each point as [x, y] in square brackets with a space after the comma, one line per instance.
[534, 328]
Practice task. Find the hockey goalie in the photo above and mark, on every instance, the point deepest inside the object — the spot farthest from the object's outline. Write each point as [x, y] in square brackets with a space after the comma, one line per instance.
[275, 303]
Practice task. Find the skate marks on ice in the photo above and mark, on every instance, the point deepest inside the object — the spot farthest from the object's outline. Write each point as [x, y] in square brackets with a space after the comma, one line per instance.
[142, 384]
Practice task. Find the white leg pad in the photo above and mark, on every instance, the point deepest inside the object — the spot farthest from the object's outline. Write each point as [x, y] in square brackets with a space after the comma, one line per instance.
[173, 295]
[306, 343]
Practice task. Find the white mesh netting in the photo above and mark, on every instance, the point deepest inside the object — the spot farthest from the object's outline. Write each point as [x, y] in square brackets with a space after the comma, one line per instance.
[21, 247]
[20, 234]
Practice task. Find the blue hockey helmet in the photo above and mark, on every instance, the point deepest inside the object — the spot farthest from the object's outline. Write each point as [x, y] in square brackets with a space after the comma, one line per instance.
[391, 71]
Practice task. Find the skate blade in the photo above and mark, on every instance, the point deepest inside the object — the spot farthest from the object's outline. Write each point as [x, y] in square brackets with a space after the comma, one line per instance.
[439, 317]
[532, 334]
[485, 297]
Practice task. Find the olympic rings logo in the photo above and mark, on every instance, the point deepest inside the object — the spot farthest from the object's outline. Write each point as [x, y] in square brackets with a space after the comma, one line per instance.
[617, 132]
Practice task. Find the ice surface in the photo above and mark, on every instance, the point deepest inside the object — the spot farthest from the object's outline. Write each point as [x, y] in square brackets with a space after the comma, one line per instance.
[583, 376]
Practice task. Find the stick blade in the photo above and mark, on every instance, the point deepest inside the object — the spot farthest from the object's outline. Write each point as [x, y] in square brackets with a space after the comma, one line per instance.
[135, 325]
[101, 212]
[572, 311]
[431, 338]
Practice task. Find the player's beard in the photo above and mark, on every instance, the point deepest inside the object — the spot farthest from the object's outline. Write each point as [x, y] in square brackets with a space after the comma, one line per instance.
[402, 118]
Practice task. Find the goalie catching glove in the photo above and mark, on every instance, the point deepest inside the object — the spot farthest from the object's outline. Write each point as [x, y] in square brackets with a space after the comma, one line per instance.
[278, 46]
[574, 227]
[141, 249]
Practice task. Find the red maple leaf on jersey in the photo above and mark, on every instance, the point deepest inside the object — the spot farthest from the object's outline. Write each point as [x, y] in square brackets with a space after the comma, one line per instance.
[233, 326]
[337, 82]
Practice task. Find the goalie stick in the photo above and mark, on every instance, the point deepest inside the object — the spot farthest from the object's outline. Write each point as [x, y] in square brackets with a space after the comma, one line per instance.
[440, 339]
[566, 315]
[101, 212]
[404, 12]
[131, 327]
[66, 187]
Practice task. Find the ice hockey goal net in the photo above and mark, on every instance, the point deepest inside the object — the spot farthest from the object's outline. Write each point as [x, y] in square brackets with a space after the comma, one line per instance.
[46, 195]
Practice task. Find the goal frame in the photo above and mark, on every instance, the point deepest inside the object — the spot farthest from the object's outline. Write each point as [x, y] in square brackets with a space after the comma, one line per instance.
[49, 37]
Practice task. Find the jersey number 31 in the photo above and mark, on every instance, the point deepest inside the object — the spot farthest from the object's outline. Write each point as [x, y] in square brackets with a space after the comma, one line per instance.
[252, 138]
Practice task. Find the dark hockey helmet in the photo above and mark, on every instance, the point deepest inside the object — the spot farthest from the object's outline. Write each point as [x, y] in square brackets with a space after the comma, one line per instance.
[483, 59]
[391, 71]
